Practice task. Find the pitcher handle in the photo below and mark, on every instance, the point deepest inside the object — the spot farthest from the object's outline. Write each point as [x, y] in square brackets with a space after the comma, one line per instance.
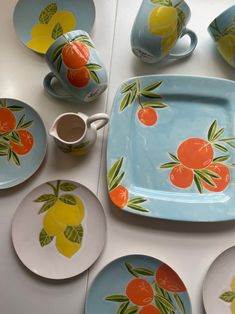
[103, 117]
[50, 90]
[193, 44]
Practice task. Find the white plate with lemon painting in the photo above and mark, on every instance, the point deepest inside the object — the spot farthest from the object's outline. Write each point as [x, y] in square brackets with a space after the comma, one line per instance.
[59, 229]
[219, 284]
[39, 23]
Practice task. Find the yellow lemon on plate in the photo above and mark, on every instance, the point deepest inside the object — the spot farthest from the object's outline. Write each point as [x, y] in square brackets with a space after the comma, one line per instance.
[163, 21]
[233, 306]
[226, 46]
[233, 284]
[168, 43]
[66, 247]
[43, 35]
[51, 225]
[61, 214]
[69, 214]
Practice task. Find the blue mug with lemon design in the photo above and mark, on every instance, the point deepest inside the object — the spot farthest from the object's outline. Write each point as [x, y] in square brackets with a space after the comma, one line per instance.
[158, 26]
[222, 31]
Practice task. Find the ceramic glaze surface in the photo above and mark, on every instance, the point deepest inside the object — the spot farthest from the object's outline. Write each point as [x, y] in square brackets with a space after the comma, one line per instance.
[150, 168]
[38, 24]
[137, 283]
[157, 27]
[59, 229]
[22, 142]
[222, 32]
[76, 63]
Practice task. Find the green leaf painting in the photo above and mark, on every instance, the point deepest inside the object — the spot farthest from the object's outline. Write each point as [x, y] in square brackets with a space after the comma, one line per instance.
[47, 13]
[146, 99]
[57, 31]
[118, 192]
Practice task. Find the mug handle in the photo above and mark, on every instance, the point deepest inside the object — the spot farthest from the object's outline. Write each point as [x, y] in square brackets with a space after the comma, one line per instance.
[192, 46]
[47, 85]
[103, 117]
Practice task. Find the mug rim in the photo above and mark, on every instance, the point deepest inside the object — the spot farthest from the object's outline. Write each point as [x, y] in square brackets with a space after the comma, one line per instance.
[55, 42]
[220, 15]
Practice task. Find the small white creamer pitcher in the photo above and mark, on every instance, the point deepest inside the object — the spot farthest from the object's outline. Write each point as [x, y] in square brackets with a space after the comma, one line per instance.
[76, 133]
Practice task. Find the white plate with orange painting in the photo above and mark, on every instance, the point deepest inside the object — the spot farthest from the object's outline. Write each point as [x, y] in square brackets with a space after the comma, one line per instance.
[173, 156]
[219, 284]
[23, 142]
[138, 284]
[59, 229]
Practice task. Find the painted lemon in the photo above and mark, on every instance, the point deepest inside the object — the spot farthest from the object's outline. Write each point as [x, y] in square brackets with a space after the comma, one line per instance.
[163, 21]
[233, 284]
[42, 34]
[233, 307]
[61, 214]
[66, 247]
[226, 46]
[51, 225]
[168, 43]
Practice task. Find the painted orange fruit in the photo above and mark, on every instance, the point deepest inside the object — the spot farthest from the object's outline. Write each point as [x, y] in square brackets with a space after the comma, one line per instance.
[25, 144]
[139, 292]
[75, 55]
[119, 196]
[167, 279]
[148, 116]
[79, 77]
[181, 177]
[7, 120]
[220, 183]
[195, 153]
[150, 309]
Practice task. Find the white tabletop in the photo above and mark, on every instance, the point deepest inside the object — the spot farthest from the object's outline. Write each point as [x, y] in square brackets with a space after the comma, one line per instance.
[187, 247]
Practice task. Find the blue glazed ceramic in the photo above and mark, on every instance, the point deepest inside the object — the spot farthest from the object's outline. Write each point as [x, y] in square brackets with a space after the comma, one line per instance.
[76, 63]
[136, 283]
[170, 150]
[157, 27]
[22, 142]
[222, 31]
[39, 23]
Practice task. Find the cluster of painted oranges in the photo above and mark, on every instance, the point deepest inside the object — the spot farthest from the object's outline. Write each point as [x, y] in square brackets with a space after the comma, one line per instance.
[13, 135]
[75, 56]
[195, 161]
[146, 297]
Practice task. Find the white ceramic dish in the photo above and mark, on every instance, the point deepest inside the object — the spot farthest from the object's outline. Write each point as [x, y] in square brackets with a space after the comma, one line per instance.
[42, 251]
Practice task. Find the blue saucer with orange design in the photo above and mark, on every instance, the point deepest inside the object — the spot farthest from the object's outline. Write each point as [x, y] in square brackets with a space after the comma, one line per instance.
[22, 142]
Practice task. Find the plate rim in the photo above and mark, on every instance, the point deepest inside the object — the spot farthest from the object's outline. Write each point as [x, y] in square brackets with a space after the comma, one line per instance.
[45, 146]
[104, 232]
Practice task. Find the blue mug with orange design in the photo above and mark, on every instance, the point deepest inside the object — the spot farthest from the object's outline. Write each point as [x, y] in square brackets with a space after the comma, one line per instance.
[76, 64]
[157, 27]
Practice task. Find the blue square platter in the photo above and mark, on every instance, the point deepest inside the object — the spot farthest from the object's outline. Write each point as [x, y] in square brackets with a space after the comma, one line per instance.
[171, 147]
